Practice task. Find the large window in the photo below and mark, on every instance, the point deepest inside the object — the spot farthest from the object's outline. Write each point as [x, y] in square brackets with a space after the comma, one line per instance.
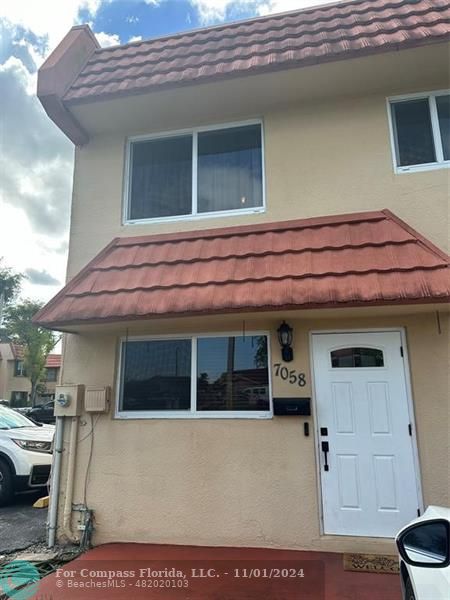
[214, 376]
[421, 131]
[202, 172]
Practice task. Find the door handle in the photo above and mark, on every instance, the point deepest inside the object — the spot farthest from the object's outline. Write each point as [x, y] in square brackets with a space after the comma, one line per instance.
[325, 450]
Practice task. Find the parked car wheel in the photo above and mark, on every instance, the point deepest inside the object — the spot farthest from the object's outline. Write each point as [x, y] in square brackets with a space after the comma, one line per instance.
[6, 484]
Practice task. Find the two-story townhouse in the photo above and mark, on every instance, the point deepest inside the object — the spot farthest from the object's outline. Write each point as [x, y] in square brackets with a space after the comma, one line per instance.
[257, 271]
[15, 386]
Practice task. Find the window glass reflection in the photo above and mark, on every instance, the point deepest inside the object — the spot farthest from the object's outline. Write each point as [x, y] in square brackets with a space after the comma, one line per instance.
[232, 374]
[357, 357]
[156, 375]
[229, 169]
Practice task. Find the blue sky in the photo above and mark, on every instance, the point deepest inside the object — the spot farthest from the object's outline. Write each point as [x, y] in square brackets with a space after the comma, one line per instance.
[132, 19]
[36, 159]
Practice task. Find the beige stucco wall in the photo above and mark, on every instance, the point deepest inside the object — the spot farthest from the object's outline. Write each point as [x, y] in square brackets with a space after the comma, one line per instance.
[238, 482]
[253, 482]
[325, 155]
[8, 382]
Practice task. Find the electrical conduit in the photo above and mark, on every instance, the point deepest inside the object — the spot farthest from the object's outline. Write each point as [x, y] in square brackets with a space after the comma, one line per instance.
[55, 480]
[67, 526]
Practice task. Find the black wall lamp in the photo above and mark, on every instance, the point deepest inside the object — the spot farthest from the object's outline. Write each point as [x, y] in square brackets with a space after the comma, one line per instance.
[285, 338]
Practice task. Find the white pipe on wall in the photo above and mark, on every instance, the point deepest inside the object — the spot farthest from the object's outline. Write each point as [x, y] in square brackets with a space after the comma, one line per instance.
[70, 478]
[55, 480]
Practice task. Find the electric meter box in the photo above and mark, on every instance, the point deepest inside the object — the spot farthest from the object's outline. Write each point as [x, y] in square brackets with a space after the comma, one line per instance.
[69, 400]
[96, 399]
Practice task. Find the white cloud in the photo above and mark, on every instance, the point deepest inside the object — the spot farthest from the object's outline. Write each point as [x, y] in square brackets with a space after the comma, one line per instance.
[50, 18]
[107, 39]
[23, 249]
[212, 11]
[135, 38]
[276, 6]
[36, 159]
[36, 169]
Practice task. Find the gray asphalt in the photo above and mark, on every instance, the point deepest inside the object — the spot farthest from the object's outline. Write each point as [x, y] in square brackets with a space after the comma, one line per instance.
[21, 525]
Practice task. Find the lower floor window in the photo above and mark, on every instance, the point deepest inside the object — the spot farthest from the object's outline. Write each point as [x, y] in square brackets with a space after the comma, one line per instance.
[195, 376]
[19, 399]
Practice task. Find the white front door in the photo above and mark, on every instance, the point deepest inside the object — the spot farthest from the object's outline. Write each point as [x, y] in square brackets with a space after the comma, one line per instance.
[368, 476]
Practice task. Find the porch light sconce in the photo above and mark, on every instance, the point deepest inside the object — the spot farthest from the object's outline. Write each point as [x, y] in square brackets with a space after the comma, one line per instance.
[285, 338]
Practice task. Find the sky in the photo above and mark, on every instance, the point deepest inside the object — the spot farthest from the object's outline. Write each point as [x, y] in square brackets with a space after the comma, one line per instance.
[36, 159]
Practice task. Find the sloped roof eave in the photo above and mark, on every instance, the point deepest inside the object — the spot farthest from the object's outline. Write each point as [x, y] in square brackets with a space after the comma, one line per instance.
[79, 71]
[337, 261]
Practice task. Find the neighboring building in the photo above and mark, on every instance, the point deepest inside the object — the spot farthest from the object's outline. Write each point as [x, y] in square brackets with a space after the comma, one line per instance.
[226, 180]
[14, 383]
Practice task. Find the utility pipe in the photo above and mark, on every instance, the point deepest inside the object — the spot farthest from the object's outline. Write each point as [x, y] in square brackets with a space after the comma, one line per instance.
[67, 526]
[54, 481]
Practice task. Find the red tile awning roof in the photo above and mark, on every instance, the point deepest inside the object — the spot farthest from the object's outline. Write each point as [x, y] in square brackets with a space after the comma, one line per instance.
[302, 37]
[53, 361]
[361, 259]
[17, 351]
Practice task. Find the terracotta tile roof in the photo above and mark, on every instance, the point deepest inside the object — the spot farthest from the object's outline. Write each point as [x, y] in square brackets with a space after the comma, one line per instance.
[53, 361]
[17, 351]
[347, 260]
[303, 37]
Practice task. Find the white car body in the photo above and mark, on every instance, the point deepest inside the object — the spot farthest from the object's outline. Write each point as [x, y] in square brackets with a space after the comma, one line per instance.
[29, 468]
[429, 583]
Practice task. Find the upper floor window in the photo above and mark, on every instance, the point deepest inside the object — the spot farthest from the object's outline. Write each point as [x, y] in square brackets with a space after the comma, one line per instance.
[421, 131]
[51, 374]
[195, 173]
[19, 369]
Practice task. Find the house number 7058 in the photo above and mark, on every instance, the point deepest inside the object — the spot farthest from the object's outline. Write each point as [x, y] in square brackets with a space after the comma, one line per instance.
[293, 376]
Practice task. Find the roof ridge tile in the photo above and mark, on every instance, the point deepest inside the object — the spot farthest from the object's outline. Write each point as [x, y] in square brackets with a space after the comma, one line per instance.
[259, 48]
[299, 38]
[338, 7]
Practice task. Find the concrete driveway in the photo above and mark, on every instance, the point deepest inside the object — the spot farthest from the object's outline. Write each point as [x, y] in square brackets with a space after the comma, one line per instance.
[21, 525]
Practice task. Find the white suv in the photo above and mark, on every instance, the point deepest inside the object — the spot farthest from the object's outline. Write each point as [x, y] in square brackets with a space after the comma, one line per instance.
[25, 454]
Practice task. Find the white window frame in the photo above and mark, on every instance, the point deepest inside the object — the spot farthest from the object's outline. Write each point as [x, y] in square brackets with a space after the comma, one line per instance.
[194, 214]
[440, 163]
[192, 413]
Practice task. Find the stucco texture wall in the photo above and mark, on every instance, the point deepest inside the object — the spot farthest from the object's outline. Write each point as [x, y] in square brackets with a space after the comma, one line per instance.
[253, 482]
[327, 157]
[237, 482]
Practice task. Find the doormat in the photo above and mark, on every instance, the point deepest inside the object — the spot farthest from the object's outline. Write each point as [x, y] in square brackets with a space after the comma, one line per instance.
[371, 563]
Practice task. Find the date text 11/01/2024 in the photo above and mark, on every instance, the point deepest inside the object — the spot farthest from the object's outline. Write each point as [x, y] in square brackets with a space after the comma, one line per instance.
[253, 573]
[194, 573]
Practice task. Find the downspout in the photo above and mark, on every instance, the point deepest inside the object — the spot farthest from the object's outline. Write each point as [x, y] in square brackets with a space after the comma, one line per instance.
[67, 526]
[55, 481]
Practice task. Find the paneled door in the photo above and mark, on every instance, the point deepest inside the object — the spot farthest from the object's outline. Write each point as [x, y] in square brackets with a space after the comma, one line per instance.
[365, 433]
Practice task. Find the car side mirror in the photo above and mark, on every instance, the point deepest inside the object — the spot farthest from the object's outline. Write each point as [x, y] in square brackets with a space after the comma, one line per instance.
[426, 544]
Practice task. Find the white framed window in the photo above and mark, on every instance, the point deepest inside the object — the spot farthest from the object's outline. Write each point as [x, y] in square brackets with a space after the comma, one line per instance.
[420, 131]
[195, 173]
[19, 368]
[224, 375]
